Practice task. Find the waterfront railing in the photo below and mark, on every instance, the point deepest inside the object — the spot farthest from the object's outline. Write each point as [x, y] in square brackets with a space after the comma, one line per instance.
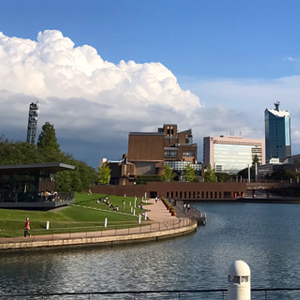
[213, 294]
[99, 231]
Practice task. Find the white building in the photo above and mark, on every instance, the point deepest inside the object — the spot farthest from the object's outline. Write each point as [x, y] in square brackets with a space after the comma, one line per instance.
[231, 154]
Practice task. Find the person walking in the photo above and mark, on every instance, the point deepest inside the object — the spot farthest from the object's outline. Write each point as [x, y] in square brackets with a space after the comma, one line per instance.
[27, 228]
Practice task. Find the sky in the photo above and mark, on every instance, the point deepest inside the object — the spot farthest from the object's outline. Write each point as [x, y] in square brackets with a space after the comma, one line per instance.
[101, 69]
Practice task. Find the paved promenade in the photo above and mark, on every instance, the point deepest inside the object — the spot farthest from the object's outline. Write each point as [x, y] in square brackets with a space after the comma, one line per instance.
[159, 212]
[161, 224]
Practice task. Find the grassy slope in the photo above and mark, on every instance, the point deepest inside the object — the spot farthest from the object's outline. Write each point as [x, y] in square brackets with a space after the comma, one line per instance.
[86, 215]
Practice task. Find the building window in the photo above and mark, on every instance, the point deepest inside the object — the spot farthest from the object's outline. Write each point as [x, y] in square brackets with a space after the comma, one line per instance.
[171, 153]
[189, 153]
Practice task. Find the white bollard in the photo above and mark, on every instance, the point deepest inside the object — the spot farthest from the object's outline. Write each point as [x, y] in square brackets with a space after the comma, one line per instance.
[239, 285]
[134, 212]
[47, 225]
[145, 195]
[105, 222]
[135, 202]
[145, 215]
[140, 219]
[130, 203]
[131, 209]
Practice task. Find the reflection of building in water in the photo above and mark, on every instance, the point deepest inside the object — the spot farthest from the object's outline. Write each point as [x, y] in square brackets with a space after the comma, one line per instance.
[231, 154]
[277, 133]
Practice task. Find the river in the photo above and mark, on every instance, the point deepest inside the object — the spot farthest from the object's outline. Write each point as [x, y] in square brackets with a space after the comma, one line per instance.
[266, 236]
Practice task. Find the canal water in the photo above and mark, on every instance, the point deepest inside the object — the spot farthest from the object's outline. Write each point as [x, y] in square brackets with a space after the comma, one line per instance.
[266, 236]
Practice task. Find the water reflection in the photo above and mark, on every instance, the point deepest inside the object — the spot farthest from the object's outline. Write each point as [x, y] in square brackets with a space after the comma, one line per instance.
[266, 236]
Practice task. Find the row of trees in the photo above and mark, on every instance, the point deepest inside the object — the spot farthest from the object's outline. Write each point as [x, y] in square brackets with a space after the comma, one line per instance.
[48, 150]
[189, 174]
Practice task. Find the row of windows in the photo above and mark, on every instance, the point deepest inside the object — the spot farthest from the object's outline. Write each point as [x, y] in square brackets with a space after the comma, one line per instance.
[171, 153]
[181, 165]
[201, 194]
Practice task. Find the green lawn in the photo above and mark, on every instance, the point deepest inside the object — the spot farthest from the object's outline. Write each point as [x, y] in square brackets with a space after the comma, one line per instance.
[85, 215]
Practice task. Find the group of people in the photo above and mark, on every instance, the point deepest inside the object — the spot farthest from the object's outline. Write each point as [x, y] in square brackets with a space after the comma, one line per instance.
[106, 201]
[186, 207]
[48, 196]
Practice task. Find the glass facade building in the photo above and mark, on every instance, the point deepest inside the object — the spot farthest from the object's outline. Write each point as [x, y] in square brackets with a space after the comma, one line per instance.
[277, 133]
[232, 158]
[231, 154]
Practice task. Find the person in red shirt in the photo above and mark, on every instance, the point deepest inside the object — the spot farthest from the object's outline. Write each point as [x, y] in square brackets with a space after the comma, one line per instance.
[27, 228]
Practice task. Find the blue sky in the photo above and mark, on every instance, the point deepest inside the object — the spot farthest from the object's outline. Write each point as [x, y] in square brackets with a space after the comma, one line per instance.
[237, 57]
[195, 38]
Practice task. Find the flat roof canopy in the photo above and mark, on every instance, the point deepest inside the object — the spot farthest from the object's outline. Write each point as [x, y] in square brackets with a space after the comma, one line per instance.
[54, 167]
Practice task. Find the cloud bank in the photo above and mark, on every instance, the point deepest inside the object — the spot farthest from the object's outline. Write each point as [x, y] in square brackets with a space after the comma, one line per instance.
[83, 95]
[94, 103]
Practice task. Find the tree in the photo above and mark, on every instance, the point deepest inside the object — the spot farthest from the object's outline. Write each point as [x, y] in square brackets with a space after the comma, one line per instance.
[255, 160]
[244, 172]
[223, 177]
[189, 173]
[47, 138]
[104, 174]
[168, 174]
[210, 175]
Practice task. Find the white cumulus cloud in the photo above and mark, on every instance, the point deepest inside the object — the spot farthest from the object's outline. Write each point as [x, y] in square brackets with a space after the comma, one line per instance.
[82, 94]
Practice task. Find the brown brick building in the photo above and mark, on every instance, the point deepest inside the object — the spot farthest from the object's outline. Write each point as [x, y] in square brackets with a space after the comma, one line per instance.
[149, 152]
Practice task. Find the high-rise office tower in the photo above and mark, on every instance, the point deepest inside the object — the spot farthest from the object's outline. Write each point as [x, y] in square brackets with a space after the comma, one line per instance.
[32, 122]
[277, 133]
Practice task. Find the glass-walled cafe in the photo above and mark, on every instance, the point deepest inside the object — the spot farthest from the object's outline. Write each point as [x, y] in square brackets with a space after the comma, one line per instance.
[31, 185]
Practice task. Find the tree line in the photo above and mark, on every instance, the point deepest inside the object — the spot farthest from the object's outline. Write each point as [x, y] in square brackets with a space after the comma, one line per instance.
[48, 150]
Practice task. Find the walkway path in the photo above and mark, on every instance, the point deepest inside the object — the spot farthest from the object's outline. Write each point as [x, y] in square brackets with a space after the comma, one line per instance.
[159, 212]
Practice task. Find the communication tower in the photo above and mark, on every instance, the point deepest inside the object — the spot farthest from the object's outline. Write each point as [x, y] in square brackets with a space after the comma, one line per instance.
[32, 122]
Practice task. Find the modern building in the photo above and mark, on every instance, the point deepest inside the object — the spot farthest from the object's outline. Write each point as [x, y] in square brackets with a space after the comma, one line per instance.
[25, 186]
[290, 164]
[149, 152]
[277, 133]
[231, 154]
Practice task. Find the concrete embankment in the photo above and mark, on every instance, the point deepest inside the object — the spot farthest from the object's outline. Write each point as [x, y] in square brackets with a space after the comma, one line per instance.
[38, 242]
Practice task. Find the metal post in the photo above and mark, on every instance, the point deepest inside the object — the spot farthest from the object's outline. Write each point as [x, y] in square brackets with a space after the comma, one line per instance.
[256, 172]
[249, 173]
